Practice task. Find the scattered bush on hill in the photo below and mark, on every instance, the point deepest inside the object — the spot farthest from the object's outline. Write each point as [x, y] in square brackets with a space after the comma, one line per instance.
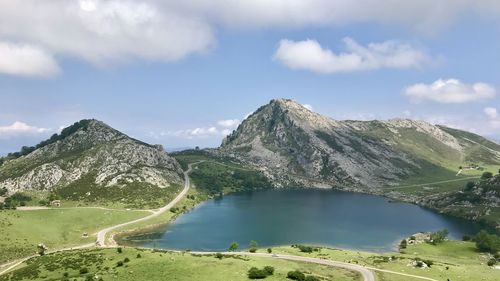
[296, 275]
[486, 242]
[255, 273]
[439, 236]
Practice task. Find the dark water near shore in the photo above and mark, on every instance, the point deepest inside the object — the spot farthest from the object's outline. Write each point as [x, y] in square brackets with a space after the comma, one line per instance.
[315, 217]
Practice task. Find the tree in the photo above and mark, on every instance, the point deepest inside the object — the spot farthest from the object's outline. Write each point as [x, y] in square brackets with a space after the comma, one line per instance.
[403, 244]
[253, 246]
[233, 247]
[439, 236]
[487, 175]
[41, 249]
[486, 242]
[296, 275]
[470, 186]
[269, 250]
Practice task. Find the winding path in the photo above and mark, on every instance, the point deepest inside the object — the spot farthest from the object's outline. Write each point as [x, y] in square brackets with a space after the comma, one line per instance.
[366, 272]
[101, 235]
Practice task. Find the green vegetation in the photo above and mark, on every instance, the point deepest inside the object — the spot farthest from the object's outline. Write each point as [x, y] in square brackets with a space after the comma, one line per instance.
[454, 260]
[134, 195]
[22, 231]
[255, 273]
[305, 249]
[107, 264]
[439, 236]
[253, 246]
[486, 242]
[233, 247]
[217, 176]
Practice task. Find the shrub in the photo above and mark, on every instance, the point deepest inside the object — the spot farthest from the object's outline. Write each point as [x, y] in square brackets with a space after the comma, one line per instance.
[219, 255]
[119, 263]
[403, 244]
[269, 250]
[429, 263]
[492, 262]
[296, 275]
[439, 236]
[487, 175]
[84, 270]
[233, 247]
[255, 273]
[305, 249]
[119, 250]
[253, 246]
[269, 270]
[139, 256]
[126, 260]
[486, 242]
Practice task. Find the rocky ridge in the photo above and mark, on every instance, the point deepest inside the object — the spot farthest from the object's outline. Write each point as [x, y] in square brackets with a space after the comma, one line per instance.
[96, 151]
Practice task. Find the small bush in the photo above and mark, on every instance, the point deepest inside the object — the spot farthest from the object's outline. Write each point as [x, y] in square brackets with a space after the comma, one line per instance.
[429, 263]
[84, 270]
[255, 273]
[296, 275]
[219, 255]
[269, 270]
[119, 250]
[138, 256]
[119, 263]
[492, 262]
[269, 250]
[126, 260]
[305, 249]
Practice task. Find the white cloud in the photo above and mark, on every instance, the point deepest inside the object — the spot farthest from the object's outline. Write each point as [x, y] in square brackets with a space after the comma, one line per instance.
[310, 55]
[449, 91]
[308, 106]
[229, 123]
[25, 60]
[493, 117]
[407, 113]
[20, 129]
[104, 31]
[491, 112]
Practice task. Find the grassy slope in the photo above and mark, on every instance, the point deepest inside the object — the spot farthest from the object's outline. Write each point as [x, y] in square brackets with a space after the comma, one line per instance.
[219, 175]
[154, 266]
[461, 258]
[21, 231]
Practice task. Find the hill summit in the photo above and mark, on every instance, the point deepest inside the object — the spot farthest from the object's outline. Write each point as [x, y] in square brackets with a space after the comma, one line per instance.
[295, 146]
[88, 155]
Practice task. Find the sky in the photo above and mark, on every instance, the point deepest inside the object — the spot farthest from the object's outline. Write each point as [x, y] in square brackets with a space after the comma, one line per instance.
[186, 73]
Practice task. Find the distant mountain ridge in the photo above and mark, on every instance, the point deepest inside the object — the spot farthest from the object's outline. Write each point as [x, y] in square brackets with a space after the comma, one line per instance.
[89, 153]
[295, 146]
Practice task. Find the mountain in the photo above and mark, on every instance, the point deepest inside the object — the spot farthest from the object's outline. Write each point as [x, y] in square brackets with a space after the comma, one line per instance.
[297, 147]
[90, 159]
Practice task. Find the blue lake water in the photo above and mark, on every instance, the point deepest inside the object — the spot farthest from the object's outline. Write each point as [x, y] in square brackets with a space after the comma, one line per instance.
[310, 216]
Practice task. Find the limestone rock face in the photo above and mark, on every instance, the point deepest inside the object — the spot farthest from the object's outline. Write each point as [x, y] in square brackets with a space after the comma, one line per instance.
[295, 146]
[92, 151]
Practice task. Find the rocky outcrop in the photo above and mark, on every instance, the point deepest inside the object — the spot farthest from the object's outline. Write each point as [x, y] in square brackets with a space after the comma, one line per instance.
[96, 151]
[295, 146]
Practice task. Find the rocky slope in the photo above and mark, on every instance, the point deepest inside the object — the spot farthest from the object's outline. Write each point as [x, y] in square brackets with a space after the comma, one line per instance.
[295, 146]
[85, 155]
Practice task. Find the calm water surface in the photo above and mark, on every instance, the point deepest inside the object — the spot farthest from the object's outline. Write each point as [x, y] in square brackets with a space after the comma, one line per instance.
[317, 217]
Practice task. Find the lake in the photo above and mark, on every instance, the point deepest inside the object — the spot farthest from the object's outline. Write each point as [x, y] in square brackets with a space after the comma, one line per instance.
[309, 216]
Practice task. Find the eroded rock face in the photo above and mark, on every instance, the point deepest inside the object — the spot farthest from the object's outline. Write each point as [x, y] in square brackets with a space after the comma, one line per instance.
[295, 146]
[95, 151]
